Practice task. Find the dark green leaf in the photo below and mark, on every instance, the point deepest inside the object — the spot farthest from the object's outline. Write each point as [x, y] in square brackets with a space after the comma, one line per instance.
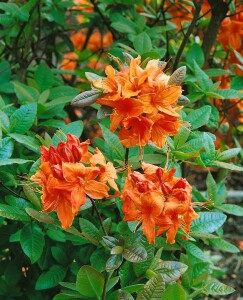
[50, 278]
[89, 228]
[44, 77]
[32, 241]
[112, 141]
[123, 295]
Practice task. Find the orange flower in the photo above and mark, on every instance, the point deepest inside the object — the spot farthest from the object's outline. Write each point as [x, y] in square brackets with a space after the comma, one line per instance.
[231, 32]
[68, 174]
[159, 200]
[143, 102]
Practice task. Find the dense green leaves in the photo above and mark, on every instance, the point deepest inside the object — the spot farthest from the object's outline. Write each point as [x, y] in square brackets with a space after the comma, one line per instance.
[153, 289]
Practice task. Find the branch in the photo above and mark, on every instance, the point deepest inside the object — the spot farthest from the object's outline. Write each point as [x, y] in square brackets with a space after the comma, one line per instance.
[198, 6]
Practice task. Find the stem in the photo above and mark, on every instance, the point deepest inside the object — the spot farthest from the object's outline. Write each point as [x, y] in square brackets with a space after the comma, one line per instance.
[198, 6]
[126, 157]
[11, 191]
[99, 216]
[107, 277]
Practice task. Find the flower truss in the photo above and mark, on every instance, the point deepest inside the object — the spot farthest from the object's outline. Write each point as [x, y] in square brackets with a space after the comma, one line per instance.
[68, 174]
[143, 102]
[159, 200]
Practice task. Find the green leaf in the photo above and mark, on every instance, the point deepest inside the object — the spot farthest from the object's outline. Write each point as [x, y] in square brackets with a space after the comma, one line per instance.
[23, 118]
[53, 123]
[90, 282]
[13, 213]
[124, 26]
[214, 287]
[211, 187]
[216, 72]
[4, 120]
[135, 254]
[25, 94]
[195, 251]
[232, 209]
[153, 289]
[223, 245]
[50, 278]
[195, 53]
[11, 161]
[5, 68]
[203, 80]
[113, 142]
[112, 281]
[6, 148]
[181, 137]
[230, 94]
[59, 255]
[142, 43]
[175, 292]
[43, 77]
[27, 141]
[113, 263]
[170, 270]
[227, 154]
[31, 195]
[208, 222]
[89, 228]
[66, 295]
[237, 83]
[199, 117]
[200, 272]
[39, 216]
[32, 241]
[224, 165]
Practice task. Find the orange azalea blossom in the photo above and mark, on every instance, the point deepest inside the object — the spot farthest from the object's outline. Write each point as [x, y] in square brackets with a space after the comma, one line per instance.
[69, 173]
[231, 32]
[159, 200]
[144, 104]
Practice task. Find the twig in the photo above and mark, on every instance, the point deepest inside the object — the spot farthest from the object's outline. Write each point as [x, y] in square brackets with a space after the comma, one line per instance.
[11, 191]
[99, 216]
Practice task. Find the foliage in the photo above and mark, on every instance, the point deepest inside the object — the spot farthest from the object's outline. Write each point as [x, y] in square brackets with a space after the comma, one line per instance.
[53, 50]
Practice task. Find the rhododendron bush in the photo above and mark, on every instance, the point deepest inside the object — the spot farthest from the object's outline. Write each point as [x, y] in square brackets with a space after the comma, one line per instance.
[105, 109]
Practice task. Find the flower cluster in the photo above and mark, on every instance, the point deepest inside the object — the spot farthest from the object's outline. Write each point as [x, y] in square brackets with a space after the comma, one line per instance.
[159, 200]
[143, 102]
[69, 173]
